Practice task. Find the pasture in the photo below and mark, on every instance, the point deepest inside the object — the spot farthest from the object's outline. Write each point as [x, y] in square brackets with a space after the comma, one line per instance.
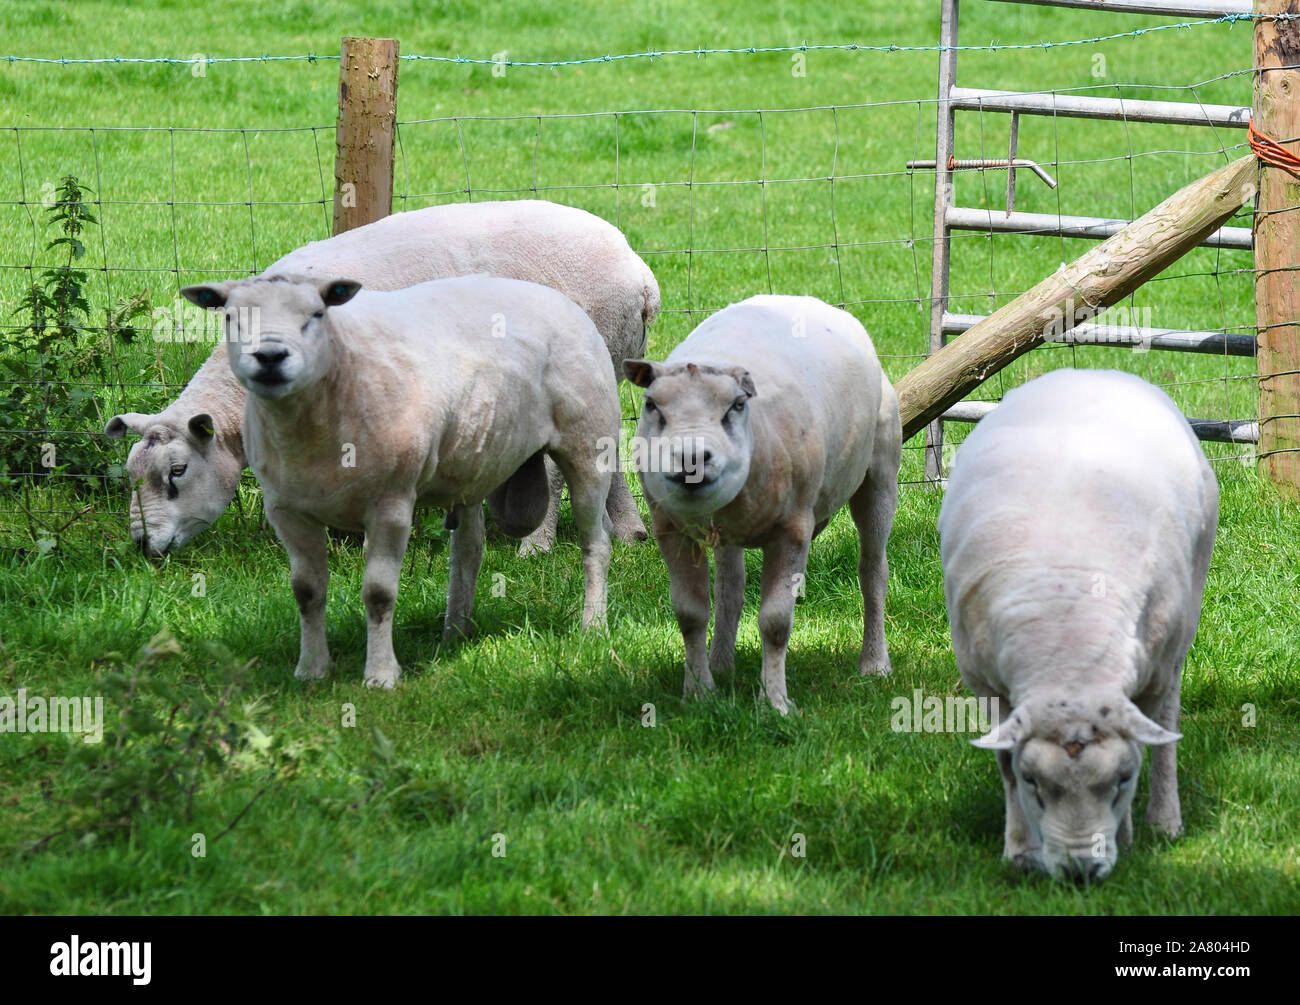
[533, 768]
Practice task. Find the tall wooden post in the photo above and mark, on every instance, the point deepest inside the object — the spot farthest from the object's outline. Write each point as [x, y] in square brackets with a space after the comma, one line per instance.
[366, 132]
[1277, 247]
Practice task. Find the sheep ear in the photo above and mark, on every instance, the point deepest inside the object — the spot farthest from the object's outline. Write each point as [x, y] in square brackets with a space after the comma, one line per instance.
[1005, 735]
[136, 422]
[994, 739]
[641, 372]
[201, 427]
[1138, 727]
[338, 291]
[208, 297]
[745, 381]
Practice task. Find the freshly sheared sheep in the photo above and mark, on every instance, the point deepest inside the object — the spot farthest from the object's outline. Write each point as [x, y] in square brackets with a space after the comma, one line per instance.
[1076, 534]
[188, 460]
[766, 420]
[363, 405]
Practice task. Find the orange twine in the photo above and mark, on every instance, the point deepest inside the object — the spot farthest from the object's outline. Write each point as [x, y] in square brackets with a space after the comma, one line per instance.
[1271, 152]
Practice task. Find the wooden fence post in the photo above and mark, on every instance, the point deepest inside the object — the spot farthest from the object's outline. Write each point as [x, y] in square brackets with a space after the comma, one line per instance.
[366, 132]
[1277, 247]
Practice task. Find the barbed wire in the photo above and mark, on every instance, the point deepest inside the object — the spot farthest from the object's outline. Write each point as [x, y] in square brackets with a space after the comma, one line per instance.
[652, 54]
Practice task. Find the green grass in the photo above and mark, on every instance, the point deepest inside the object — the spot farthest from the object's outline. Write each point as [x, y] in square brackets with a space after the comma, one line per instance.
[534, 731]
[531, 729]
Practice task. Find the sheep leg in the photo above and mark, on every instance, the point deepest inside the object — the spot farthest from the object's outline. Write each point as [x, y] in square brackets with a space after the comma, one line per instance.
[728, 598]
[1124, 833]
[872, 508]
[688, 582]
[1017, 847]
[588, 487]
[464, 561]
[388, 527]
[624, 517]
[304, 539]
[1164, 813]
[543, 538]
[784, 562]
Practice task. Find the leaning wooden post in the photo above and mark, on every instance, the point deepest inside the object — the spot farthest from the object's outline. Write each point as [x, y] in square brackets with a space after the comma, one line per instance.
[366, 132]
[1277, 238]
[1074, 293]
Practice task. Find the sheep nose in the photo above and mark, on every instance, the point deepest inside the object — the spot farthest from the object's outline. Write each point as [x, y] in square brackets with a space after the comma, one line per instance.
[271, 357]
[1078, 868]
[694, 472]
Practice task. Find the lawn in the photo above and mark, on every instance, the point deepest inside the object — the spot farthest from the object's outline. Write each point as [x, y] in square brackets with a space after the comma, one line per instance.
[519, 771]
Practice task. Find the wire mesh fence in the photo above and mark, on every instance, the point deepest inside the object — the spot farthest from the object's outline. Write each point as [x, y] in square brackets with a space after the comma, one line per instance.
[721, 203]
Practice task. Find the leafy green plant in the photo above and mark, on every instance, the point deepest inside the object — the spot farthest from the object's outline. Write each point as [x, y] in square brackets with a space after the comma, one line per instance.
[54, 355]
[169, 742]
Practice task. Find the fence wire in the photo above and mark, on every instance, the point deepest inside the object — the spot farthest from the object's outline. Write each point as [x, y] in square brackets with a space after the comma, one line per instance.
[721, 203]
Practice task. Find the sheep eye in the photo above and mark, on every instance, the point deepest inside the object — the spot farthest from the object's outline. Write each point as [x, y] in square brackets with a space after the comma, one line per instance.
[1029, 779]
[178, 469]
[738, 405]
[318, 315]
[650, 407]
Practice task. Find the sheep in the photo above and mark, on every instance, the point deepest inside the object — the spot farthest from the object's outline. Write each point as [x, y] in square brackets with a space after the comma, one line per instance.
[1075, 538]
[768, 418]
[185, 469]
[362, 405]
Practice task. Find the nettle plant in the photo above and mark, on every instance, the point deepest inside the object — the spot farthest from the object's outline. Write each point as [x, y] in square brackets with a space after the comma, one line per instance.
[53, 354]
[176, 738]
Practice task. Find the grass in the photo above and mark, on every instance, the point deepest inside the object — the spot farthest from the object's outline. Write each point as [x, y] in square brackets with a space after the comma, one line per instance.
[535, 731]
[532, 730]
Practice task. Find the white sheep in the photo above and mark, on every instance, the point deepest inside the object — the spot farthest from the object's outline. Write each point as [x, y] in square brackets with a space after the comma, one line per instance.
[1076, 534]
[363, 405]
[185, 468]
[756, 430]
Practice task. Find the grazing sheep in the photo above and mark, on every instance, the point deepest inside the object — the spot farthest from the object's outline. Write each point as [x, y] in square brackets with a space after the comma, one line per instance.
[1076, 534]
[188, 460]
[771, 415]
[363, 405]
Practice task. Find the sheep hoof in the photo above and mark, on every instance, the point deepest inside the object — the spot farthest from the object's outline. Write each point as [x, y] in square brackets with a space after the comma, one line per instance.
[385, 679]
[457, 632]
[783, 704]
[1169, 828]
[311, 672]
[1024, 860]
[721, 663]
[629, 532]
[534, 545]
